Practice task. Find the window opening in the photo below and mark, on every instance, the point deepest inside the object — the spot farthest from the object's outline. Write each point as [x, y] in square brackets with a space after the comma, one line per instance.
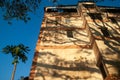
[62, 9]
[89, 5]
[113, 20]
[95, 16]
[105, 31]
[70, 34]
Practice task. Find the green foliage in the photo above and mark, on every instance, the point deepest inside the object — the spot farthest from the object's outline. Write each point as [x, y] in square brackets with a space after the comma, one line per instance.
[18, 52]
[18, 9]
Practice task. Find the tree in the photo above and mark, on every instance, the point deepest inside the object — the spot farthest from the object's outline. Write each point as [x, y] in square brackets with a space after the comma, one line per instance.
[19, 9]
[18, 52]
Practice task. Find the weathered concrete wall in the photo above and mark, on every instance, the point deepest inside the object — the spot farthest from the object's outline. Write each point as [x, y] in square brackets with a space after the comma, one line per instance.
[71, 44]
[109, 47]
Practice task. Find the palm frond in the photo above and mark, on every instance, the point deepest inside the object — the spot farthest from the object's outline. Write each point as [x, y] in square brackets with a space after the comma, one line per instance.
[17, 51]
[7, 49]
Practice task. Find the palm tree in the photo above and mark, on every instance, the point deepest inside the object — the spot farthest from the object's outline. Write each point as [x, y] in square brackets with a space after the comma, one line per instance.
[18, 53]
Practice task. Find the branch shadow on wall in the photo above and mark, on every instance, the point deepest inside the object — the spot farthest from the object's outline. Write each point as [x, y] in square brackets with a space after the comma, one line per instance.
[111, 41]
[59, 34]
[51, 65]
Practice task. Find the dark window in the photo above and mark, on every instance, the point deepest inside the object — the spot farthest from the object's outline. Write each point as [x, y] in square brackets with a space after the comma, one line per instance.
[95, 16]
[113, 10]
[70, 34]
[105, 31]
[89, 5]
[113, 20]
[70, 10]
[61, 9]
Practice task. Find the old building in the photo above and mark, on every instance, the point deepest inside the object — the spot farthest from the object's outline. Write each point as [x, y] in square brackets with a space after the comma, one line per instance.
[78, 42]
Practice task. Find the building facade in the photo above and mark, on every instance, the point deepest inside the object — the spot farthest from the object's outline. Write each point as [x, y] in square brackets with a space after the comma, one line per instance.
[78, 42]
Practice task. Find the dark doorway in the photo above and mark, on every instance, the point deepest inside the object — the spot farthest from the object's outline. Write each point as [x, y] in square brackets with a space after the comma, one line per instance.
[102, 69]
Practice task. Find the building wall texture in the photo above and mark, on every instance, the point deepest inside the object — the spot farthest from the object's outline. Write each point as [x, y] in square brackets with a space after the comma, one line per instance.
[78, 43]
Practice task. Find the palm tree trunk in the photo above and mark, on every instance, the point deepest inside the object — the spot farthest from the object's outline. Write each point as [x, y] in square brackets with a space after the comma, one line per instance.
[14, 70]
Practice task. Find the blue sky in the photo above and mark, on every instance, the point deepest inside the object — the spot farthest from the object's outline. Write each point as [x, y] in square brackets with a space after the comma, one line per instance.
[26, 33]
